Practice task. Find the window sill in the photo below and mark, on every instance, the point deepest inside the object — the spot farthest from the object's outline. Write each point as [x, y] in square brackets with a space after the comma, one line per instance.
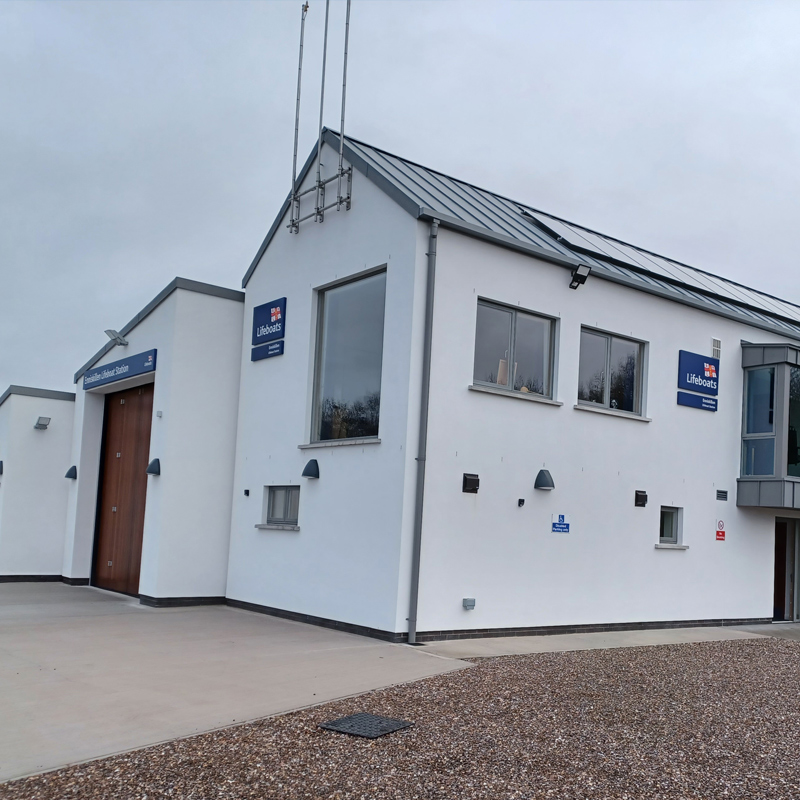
[533, 398]
[610, 412]
[339, 443]
[270, 527]
[672, 547]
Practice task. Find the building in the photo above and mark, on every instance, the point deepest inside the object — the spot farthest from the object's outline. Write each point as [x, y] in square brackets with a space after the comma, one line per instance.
[436, 412]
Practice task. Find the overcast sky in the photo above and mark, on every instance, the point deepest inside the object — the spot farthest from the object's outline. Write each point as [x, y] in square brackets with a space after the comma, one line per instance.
[144, 140]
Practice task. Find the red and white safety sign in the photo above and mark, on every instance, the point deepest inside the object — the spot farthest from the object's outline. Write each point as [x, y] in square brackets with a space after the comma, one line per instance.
[720, 531]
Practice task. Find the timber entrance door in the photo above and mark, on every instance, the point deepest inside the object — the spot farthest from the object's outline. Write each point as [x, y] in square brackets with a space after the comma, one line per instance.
[123, 489]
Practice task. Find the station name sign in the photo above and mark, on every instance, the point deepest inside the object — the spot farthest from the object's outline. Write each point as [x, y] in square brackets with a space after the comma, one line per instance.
[698, 376]
[129, 367]
[269, 328]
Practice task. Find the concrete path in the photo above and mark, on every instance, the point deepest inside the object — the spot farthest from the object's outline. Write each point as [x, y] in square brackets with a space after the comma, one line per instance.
[85, 673]
[521, 645]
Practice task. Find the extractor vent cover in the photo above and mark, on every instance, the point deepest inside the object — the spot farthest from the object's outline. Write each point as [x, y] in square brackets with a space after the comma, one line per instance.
[722, 494]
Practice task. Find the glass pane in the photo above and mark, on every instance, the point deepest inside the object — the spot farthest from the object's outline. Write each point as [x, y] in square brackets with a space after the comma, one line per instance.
[277, 504]
[624, 375]
[492, 344]
[532, 355]
[294, 503]
[349, 383]
[669, 525]
[592, 369]
[759, 456]
[794, 422]
[760, 402]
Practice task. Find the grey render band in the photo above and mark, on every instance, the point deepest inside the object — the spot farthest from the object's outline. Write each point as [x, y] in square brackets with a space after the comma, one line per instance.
[623, 274]
[781, 490]
[30, 391]
[177, 283]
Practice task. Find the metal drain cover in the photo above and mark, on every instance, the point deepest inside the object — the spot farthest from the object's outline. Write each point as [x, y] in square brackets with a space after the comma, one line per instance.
[366, 725]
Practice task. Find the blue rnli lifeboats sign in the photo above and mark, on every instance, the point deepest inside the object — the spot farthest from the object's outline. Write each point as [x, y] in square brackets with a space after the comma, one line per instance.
[698, 373]
[129, 367]
[269, 322]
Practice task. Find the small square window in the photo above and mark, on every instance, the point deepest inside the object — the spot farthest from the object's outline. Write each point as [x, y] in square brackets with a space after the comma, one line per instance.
[282, 504]
[671, 523]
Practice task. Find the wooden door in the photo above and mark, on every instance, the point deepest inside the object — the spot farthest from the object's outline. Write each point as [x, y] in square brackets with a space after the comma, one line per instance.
[123, 489]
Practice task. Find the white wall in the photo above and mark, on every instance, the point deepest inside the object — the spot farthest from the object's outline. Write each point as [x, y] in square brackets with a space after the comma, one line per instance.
[607, 570]
[33, 489]
[345, 562]
[187, 512]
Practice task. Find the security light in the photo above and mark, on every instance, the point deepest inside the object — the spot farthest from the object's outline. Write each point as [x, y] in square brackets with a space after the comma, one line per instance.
[311, 469]
[154, 467]
[544, 481]
[116, 337]
[72, 473]
[579, 276]
[42, 423]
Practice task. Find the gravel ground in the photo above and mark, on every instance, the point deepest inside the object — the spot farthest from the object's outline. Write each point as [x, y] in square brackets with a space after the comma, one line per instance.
[711, 720]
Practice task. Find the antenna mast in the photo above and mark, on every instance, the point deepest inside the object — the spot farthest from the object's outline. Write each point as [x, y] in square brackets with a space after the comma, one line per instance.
[320, 209]
[294, 226]
[339, 198]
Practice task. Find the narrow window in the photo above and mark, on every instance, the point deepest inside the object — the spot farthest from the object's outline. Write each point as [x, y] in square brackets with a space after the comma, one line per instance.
[347, 399]
[513, 350]
[794, 423]
[283, 503]
[758, 446]
[609, 372]
[670, 525]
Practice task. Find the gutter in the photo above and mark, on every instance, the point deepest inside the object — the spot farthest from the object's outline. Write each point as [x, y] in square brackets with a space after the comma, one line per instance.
[422, 446]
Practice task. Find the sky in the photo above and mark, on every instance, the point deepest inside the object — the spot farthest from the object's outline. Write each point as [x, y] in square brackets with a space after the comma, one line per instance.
[144, 140]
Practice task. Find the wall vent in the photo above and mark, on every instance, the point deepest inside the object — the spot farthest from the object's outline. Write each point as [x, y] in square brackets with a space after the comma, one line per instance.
[716, 348]
[722, 494]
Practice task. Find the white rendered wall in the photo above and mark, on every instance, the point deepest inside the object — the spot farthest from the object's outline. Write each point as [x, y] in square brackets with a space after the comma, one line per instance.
[345, 563]
[33, 489]
[607, 570]
[187, 512]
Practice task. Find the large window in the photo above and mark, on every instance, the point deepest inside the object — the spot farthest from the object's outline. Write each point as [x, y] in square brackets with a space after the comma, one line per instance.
[794, 422]
[513, 350]
[758, 446]
[347, 399]
[609, 372]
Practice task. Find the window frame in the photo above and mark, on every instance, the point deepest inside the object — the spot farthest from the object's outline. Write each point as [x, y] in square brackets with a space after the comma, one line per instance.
[551, 356]
[773, 435]
[268, 491]
[316, 407]
[678, 515]
[639, 385]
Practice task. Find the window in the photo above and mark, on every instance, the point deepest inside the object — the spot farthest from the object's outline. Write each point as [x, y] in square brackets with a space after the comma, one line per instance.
[671, 519]
[283, 503]
[609, 372]
[507, 336]
[758, 445]
[349, 359]
[793, 467]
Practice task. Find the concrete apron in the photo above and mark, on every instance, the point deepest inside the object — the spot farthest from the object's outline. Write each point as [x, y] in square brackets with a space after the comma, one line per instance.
[86, 673]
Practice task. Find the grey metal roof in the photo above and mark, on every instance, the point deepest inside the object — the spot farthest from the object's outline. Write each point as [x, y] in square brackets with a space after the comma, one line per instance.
[427, 194]
[176, 283]
[30, 391]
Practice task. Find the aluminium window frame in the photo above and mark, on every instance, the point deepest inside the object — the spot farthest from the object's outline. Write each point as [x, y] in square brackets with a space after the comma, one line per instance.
[551, 357]
[678, 514]
[267, 520]
[778, 381]
[639, 389]
[319, 300]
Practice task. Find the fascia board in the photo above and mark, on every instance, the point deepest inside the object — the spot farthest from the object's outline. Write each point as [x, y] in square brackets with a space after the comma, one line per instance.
[31, 391]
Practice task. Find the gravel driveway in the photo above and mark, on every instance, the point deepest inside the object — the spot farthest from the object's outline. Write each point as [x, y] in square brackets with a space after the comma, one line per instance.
[711, 720]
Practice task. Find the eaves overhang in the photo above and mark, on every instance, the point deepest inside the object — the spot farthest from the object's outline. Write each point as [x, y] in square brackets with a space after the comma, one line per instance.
[31, 391]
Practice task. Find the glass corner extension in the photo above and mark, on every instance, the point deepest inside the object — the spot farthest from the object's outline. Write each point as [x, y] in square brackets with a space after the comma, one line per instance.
[759, 456]
[793, 465]
[758, 436]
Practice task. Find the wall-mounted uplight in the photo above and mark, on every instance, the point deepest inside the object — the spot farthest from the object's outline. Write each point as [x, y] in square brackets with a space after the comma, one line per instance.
[544, 481]
[154, 467]
[116, 337]
[311, 470]
[72, 473]
[579, 276]
[42, 423]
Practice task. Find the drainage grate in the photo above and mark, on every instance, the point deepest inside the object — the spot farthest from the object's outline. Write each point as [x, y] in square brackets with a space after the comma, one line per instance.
[366, 725]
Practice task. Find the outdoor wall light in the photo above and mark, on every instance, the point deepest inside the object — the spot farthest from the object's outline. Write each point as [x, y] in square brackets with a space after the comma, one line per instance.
[470, 483]
[579, 276]
[154, 467]
[116, 337]
[42, 423]
[468, 603]
[640, 500]
[1, 467]
[521, 502]
[72, 473]
[311, 470]
[544, 481]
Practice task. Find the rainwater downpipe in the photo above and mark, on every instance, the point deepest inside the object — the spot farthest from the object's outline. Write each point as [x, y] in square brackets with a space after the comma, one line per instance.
[422, 447]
